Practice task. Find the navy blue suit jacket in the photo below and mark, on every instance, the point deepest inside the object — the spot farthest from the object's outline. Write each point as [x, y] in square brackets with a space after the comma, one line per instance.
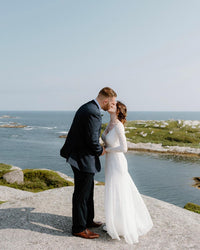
[82, 148]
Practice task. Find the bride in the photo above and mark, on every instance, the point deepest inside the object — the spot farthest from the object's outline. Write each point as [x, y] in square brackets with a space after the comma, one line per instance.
[125, 211]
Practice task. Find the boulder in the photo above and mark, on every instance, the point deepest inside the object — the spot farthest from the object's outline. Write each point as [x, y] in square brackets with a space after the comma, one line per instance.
[14, 176]
[197, 182]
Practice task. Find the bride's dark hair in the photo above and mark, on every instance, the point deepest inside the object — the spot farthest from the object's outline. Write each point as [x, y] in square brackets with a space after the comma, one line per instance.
[121, 112]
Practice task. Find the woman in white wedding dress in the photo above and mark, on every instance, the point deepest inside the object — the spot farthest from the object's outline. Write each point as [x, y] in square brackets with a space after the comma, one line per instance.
[125, 211]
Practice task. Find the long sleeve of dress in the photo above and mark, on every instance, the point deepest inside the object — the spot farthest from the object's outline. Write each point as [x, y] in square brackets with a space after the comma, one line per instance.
[122, 140]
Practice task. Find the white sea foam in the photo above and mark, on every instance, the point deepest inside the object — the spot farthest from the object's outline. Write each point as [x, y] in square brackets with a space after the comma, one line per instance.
[40, 127]
[28, 128]
[47, 127]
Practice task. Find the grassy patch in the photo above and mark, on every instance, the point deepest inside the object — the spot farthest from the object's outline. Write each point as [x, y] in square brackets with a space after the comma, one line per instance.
[38, 180]
[4, 167]
[100, 183]
[1, 202]
[168, 133]
[103, 127]
[192, 207]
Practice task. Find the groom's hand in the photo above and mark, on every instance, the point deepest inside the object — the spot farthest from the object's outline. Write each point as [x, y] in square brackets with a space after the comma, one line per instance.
[103, 152]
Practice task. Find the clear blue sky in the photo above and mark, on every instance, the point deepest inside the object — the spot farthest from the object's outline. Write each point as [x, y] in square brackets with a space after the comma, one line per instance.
[57, 54]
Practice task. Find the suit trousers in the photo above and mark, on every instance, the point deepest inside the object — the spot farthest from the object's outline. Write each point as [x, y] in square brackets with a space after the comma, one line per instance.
[82, 201]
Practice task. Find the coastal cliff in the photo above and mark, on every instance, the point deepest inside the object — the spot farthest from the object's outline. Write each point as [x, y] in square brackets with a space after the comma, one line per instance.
[43, 221]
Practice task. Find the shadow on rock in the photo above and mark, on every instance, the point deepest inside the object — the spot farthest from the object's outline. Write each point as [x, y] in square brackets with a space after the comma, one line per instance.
[24, 218]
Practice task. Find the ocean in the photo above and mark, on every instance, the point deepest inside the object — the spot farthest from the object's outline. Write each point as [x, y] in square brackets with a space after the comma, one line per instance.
[165, 177]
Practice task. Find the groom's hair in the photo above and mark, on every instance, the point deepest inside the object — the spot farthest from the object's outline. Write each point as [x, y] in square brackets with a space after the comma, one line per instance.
[107, 92]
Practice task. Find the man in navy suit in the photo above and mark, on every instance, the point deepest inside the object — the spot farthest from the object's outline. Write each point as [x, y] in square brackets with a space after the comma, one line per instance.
[82, 150]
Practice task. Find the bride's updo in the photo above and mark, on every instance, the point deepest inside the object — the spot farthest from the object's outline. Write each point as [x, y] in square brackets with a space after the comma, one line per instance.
[121, 112]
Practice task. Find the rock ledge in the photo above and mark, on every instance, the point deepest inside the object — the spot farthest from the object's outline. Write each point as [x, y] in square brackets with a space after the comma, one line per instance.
[43, 221]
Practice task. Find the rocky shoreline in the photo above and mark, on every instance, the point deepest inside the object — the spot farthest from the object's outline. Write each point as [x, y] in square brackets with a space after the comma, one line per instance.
[158, 148]
[15, 175]
[12, 125]
[197, 182]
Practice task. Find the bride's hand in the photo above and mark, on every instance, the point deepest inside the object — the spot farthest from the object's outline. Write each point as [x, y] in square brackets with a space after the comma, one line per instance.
[104, 151]
[107, 149]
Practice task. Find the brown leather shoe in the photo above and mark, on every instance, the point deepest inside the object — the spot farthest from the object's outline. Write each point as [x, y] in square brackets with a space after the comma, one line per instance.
[87, 234]
[95, 224]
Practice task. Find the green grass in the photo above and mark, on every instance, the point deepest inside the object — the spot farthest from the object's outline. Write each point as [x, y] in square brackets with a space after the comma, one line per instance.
[5, 167]
[103, 127]
[99, 183]
[1, 202]
[168, 133]
[192, 207]
[38, 180]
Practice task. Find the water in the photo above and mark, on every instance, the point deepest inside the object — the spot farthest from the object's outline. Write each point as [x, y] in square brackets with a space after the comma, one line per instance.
[165, 177]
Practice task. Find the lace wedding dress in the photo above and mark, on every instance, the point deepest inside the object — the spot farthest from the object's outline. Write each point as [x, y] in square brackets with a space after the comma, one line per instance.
[125, 211]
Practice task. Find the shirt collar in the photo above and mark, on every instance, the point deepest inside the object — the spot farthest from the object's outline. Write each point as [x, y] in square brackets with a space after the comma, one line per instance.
[97, 104]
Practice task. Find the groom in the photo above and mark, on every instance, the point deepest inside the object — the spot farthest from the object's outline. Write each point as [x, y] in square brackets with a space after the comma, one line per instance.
[82, 150]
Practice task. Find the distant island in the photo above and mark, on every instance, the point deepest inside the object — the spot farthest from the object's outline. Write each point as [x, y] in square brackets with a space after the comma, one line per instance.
[170, 136]
[12, 125]
[6, 117]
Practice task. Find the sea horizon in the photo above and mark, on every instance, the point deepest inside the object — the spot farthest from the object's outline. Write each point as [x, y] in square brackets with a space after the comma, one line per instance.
[131, 115]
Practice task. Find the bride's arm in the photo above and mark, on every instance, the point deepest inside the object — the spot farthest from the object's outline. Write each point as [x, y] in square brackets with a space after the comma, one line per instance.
[122, 140]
